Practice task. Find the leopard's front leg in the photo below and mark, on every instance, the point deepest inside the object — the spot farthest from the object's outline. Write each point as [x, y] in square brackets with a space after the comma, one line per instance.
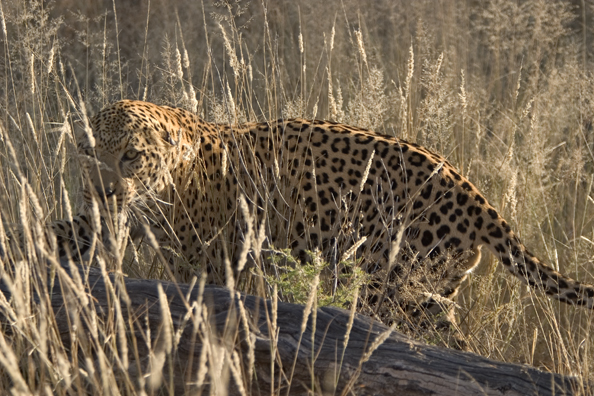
[76, 239]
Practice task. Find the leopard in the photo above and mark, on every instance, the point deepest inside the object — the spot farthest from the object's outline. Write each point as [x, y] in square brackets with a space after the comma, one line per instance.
[403, 212]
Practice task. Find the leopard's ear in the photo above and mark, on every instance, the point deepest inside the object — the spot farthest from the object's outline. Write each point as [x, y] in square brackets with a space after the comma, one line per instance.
[172, 136]
[83, 131]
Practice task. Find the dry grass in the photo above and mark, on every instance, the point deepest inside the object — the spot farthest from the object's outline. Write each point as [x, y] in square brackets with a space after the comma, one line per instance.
[503, 89]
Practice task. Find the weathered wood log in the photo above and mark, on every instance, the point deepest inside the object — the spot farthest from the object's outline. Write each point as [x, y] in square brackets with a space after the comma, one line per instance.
[315, 359]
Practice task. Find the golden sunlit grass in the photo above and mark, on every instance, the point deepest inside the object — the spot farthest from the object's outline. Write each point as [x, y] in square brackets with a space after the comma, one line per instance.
[503, 89]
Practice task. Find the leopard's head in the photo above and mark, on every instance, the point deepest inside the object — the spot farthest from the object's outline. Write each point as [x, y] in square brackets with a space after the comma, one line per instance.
[130, 155]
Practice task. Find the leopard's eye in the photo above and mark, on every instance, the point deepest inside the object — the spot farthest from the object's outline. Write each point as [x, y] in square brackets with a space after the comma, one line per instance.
[90, 151]
[130, 155]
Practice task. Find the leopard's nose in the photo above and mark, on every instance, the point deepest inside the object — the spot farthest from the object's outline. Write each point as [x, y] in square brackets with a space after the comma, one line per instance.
[105, 190]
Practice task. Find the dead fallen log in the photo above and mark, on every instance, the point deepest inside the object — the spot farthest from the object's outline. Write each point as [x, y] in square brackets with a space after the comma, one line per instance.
[289, 362]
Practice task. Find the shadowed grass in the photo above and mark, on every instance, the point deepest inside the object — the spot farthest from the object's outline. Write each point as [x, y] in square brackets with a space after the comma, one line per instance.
[503, 89]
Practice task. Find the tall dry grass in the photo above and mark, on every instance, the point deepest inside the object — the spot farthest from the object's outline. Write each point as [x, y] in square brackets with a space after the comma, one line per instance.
[503, 89]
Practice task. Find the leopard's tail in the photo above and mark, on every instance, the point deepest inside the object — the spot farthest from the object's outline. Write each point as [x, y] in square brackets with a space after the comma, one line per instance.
[507, 247]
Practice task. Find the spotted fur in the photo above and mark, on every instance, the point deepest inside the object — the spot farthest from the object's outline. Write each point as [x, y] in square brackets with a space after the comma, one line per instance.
[319, 185]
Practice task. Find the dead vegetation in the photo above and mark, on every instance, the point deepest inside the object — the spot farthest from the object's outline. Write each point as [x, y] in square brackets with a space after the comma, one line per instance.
[503, 89]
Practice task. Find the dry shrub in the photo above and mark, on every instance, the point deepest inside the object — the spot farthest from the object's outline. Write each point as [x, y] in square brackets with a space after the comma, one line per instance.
[502, 88]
